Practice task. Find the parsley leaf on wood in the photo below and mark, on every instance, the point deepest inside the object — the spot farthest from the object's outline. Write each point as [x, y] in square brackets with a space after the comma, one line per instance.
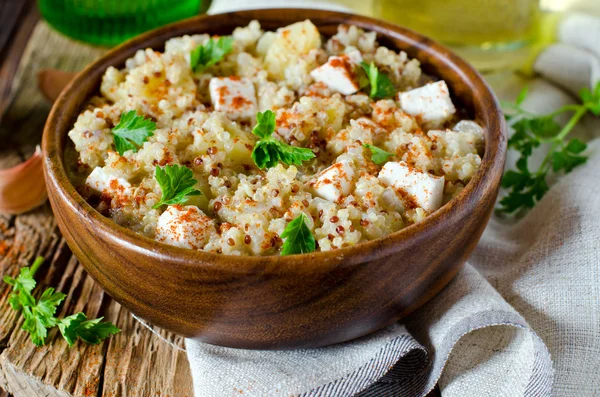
[39, 314]
[90, 331]
[378, 156]
[40, 317]
[210, 53]
[268, 151]
[132, 131]
[527, 187]
[176, 183]
[298, 238]
[381, 85]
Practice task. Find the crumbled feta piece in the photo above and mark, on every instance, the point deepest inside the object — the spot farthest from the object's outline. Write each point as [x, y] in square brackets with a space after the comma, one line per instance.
[469, 126]
[354, 56]
[184, 226]
[101, 181]
[423, 189]
[235, 96]
[334, 181]
[338, 73]
[431, 103]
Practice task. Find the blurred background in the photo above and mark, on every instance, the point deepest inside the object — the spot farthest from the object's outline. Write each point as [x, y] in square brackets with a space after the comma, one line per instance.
[491, 34]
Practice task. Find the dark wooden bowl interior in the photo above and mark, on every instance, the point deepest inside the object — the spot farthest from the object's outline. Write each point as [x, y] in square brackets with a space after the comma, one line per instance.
[280, 302]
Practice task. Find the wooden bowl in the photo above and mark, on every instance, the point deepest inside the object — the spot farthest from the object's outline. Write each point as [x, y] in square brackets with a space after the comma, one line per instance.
[273, 302]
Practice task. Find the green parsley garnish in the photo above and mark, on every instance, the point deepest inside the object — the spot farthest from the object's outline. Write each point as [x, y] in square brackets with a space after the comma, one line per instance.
[530, 131]
[210, 53]
[39, 314]
[381, 85]
[132, 131]
[378, 156]
[176, 183]
[268, 151]
[298, 238]
[90, 331]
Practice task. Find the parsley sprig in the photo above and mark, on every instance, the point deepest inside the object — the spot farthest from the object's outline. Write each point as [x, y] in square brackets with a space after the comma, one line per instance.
[39, 314]
[176, 184]
[210, 53]
[381, 85]
[298, 238]
[378, 155]
[268, 151]
[526, 187]
[132, 131]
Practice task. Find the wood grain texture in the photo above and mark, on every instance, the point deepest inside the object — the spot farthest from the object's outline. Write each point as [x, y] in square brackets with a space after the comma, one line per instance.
[280, 302]
[135, 362]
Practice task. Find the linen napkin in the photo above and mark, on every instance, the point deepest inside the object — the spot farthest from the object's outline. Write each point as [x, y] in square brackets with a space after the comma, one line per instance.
[520, 319]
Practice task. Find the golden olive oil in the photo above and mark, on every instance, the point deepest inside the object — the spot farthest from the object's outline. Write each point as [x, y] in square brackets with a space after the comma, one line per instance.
[481, 30]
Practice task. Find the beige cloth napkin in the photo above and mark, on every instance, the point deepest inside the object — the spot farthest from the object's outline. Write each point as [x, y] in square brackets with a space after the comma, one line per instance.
[521, 319]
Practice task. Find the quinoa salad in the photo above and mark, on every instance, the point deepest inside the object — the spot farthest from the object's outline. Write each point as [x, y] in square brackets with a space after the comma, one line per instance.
[271, 143]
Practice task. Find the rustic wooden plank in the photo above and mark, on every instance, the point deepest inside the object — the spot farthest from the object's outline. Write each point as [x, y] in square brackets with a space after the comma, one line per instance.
[134, 363]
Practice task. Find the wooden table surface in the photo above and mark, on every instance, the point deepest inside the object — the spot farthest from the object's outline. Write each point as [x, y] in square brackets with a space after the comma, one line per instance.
[135, 362]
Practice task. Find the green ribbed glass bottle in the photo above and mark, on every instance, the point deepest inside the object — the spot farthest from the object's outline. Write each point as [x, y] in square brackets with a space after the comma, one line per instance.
[110, 22]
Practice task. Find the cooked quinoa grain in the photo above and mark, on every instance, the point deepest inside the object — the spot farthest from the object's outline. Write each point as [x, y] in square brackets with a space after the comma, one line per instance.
[316, 88]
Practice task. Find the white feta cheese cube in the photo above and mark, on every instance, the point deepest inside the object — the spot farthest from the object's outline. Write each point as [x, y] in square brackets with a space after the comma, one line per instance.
[334, 182]
[101, 181]
[184, 226]
[235, 96]
[431, 103]
[338, 74]
[421, 188]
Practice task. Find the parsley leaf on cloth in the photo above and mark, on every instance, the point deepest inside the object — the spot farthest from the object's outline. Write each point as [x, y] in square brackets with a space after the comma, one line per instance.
[90, 331]
[176, 183]
[268, 151]
[132, 131]
[298, 238]
[378, 156]
[381, 85]
[210, 53]
[527, 187]
[39, 314]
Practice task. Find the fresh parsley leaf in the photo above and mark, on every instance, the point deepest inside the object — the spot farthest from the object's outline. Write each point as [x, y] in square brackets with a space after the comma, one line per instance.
[90, 331]
[298, 238]
[268, 151]
[23, 285]
[176, 183]
[381, 85]
[569, 157]
[265, 124]
[530, 131]
[40, 317]
[522, 95]
[378, 156]
[132, 131]
[591, 99]
[39, 314]
[38, 331]
[210, 53]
